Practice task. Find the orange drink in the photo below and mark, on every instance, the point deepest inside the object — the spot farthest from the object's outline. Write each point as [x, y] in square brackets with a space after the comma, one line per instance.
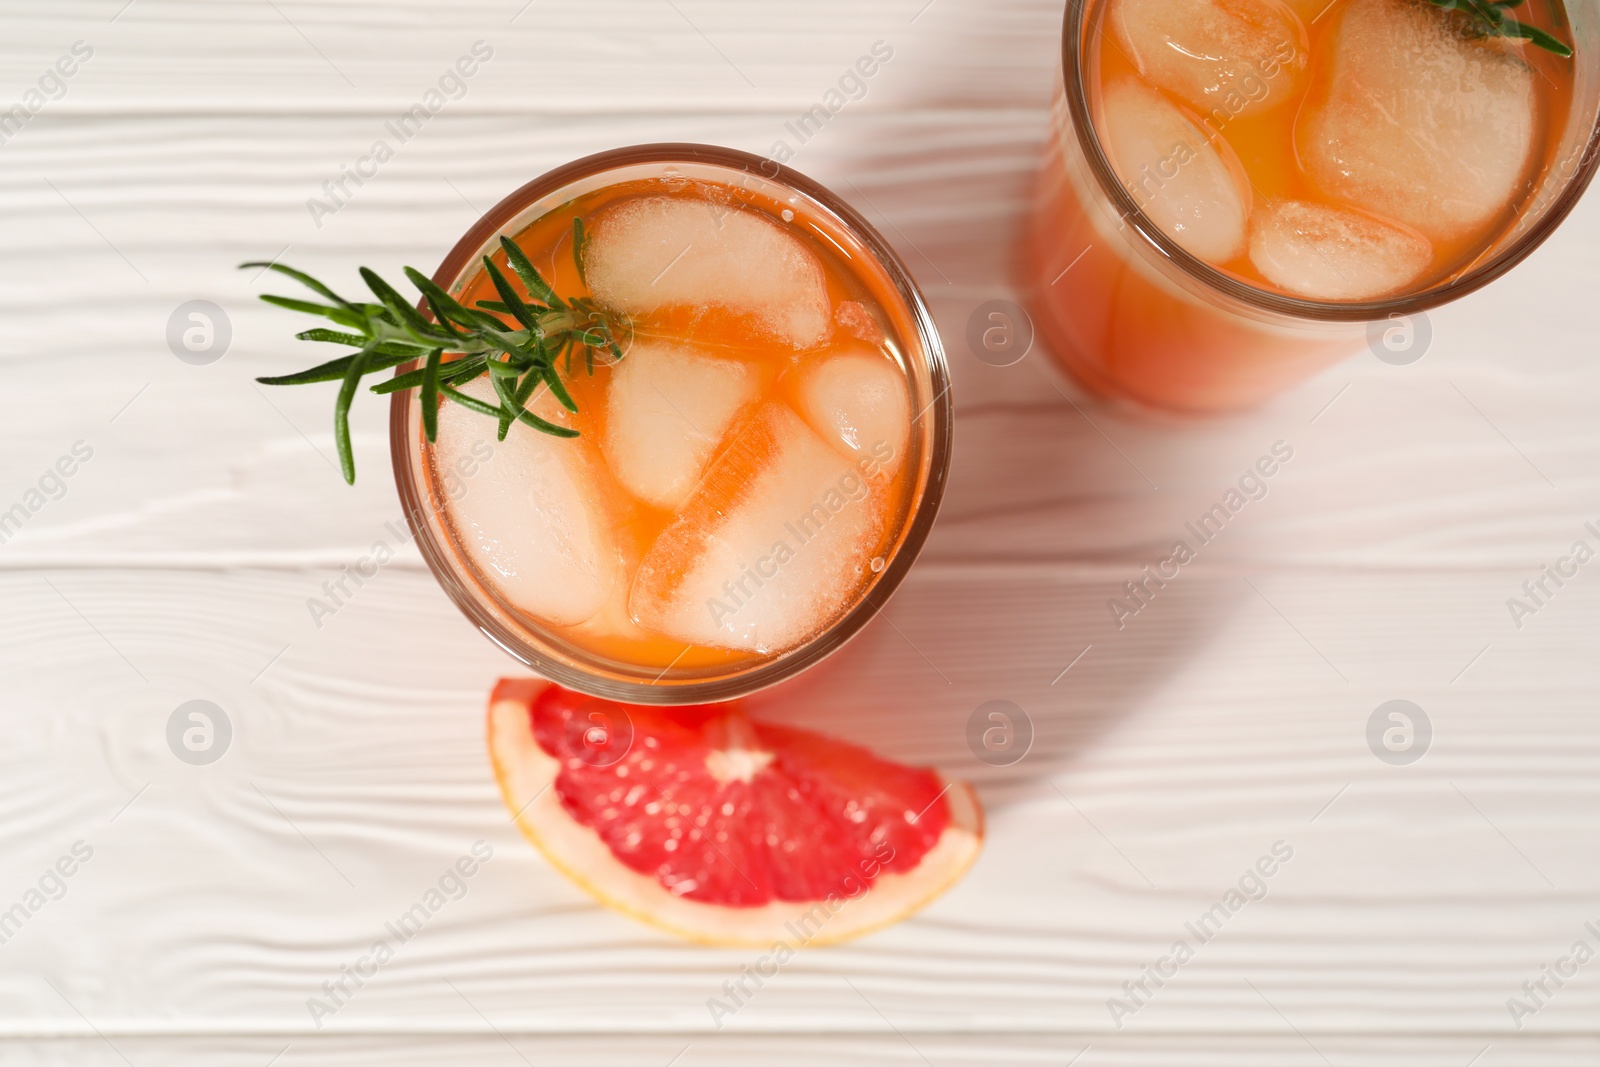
[1235, 190]
[746, 483]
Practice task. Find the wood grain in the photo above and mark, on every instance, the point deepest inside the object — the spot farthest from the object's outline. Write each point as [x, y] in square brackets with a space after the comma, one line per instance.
[868, 1050]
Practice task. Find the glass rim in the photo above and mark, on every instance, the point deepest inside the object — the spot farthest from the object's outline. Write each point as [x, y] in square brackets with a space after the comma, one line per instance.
[442, 560]
[1154, 238]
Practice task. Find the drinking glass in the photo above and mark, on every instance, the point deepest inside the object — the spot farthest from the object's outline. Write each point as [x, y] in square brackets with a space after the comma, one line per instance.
[1132, 316]
[911, 325]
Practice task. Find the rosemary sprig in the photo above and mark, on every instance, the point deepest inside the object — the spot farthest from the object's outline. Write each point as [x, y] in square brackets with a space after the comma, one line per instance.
[1489, 18]
[519, 359]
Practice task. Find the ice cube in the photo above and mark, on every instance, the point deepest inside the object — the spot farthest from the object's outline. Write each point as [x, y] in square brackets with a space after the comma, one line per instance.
[656, 252]
[858, 322]
[1420, 123]
[667, 410]
[1330, 253]
[858, 401]
[773, 545]
[1225, 57]
[528, 518]
[1190, 186]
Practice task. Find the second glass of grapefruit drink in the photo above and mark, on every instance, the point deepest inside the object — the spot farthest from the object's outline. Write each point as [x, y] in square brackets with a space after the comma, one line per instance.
[1236, 190]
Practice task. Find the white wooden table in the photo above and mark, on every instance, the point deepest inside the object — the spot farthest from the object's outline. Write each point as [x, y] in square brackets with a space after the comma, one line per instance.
[1229, 715]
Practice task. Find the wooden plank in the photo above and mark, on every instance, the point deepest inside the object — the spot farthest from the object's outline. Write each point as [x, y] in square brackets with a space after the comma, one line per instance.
[1462, 460]
[607, 56]
[1166, 763]
[913, 1050]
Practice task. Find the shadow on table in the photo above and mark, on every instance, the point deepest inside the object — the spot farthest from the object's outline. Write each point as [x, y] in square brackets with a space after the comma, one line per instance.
[1053, 504]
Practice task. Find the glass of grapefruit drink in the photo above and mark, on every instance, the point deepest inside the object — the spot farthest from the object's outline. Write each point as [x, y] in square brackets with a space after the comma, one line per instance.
[732, 479]
[1238, 192]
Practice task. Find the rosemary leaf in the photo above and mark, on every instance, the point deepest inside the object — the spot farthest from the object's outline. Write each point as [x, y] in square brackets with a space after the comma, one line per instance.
[330, 336]
[524, 390]
[442, 319]
[404, 349]
[453, 373]
[430, 395]
[535, 282]
[501, 369]
[580, 244]
[510, 406]
[1534, 35]
[444, 305]
[514, 303]
[341, 416]
[471, 403]
[544, 427]
[469, 373]
[556, 387]
[1489, 18]
[342, 316]
[335, 369]
[397, 304]
[399, 347]
[304, 279]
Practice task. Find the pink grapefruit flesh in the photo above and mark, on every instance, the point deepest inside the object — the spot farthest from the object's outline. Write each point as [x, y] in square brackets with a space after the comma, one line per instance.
[722, 829]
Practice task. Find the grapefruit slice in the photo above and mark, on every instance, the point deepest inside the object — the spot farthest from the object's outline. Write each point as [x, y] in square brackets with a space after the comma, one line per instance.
[724, 830]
